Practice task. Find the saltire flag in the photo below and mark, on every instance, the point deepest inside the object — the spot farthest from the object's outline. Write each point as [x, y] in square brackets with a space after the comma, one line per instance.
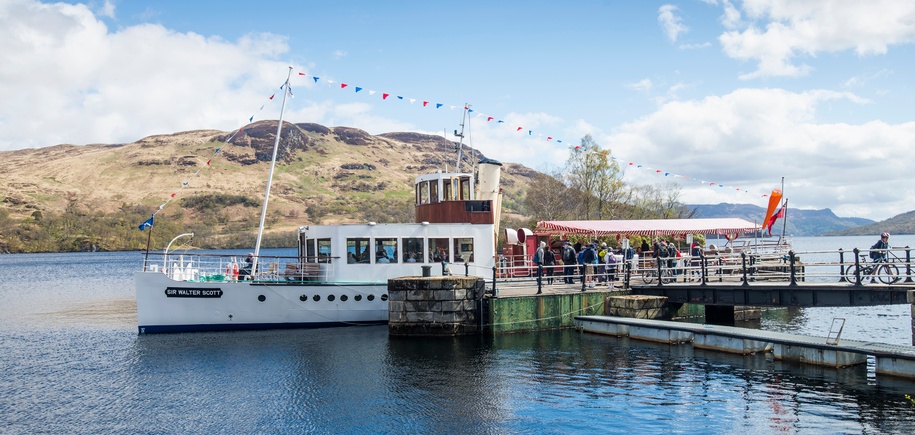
[779, 214]
[148, 223]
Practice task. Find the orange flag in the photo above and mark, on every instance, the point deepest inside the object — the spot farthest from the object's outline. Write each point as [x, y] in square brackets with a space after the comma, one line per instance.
[774, 199]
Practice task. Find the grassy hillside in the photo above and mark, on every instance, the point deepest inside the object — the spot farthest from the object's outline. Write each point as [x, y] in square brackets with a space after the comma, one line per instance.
[323, 175]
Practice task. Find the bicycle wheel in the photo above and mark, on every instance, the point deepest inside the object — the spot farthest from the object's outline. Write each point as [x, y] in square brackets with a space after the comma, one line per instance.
[850, 273]
[888, 273]
[648, 276]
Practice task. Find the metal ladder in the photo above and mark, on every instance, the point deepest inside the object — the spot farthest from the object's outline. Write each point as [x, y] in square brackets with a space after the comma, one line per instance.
[834, 333]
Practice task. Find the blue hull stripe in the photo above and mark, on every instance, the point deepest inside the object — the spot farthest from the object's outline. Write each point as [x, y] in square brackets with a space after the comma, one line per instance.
[162, 329]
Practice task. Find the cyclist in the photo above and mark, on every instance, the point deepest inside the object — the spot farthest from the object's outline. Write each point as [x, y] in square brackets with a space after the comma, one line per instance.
[878, 251]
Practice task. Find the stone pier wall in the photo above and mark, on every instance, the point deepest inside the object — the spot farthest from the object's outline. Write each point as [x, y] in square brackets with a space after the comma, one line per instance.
[434, 306]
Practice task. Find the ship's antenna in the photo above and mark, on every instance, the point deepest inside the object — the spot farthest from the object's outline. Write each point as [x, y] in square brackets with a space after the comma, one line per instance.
[460, 136]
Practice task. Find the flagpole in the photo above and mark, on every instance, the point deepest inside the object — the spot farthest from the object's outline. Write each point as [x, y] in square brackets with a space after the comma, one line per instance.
[276, 145]
[148, 238]
[784, 218]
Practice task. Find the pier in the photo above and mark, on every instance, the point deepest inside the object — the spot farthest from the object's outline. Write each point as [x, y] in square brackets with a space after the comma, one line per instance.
[891, 360]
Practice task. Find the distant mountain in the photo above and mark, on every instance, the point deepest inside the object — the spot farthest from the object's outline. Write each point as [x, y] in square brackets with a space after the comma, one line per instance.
[899, 224]
[799, 222]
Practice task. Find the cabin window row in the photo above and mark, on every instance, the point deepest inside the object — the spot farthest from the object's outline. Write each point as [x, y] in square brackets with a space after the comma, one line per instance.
[397, 250]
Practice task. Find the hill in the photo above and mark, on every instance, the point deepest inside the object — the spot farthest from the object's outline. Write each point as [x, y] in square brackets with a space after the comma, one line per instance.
[799, 222]
[323, 175]
[899, 224]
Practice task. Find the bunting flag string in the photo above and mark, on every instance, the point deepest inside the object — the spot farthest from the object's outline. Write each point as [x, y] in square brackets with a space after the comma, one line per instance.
[149, 222]
[426, 103]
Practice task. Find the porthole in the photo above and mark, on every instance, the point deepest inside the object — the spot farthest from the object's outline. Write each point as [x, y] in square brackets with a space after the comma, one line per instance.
[343, 298]
[358, 298]
[316, 298]
[370, 298]
[330, 298]
[384, 297]
[261, 298]
[303, 298]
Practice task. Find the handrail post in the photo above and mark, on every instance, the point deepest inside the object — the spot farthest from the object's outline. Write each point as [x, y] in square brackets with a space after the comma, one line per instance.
[791, 259]
[539, 279]
[842, 268]
[908, 264]
[703, 269]
[584, 274]
[495, 293]
[628, 271]
[857, 266]
[743, 260]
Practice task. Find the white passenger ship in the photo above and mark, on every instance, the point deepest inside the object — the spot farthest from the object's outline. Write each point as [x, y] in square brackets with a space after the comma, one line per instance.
[340, 274]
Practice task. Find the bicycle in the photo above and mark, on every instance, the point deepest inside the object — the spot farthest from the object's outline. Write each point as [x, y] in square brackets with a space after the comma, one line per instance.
[881, 270]
[649, 274]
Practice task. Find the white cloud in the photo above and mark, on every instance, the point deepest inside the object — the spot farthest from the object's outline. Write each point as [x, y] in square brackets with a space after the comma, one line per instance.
[780, 32]
[643, 85]
[670, 22]
[340, 54]
[765, 134]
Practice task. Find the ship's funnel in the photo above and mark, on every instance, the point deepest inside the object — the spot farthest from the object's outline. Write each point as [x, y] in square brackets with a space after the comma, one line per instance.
[489, 179]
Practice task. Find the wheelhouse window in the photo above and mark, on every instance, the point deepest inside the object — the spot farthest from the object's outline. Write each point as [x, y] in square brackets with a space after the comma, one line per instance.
[448, 190]
[465, 188]
[422, 193]
[358, 251]
[438, 251]
[385, 250]
[463, 250]
[433, 191]
[412, 250]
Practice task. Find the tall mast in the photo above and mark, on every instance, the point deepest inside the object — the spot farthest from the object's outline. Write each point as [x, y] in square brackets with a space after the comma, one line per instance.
[457, 166]
[276, 146]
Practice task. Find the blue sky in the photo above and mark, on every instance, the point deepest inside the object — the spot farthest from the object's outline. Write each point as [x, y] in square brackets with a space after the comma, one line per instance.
[721, 97]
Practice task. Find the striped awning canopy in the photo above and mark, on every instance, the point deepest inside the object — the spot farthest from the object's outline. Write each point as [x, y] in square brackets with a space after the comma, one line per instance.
[648, 227]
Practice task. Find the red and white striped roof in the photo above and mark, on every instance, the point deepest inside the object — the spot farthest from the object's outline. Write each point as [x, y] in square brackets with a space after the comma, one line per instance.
[648, 227]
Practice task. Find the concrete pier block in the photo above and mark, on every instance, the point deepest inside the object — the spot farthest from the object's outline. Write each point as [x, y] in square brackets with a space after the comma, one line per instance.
[741, 346]
[431, 306]
[817, 356]
[637, 306]
[896, 366]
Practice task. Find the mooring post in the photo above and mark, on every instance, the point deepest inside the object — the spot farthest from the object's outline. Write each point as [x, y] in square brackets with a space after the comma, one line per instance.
[466, 269]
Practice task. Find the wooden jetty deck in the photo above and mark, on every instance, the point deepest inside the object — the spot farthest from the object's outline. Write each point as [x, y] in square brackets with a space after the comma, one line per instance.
[893, 360]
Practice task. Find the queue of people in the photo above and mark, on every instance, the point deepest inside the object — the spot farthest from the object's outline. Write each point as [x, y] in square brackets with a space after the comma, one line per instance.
[601, 265]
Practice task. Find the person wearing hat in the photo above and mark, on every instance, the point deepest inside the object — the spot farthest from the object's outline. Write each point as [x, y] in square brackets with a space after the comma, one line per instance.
[601, 267]
[569, 259]
[245, 271]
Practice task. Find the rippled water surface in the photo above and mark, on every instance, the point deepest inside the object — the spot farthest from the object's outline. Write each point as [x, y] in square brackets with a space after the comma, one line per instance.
[72, 362]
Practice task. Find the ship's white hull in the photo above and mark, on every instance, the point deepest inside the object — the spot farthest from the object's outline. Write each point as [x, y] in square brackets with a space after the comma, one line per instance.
[167, 305]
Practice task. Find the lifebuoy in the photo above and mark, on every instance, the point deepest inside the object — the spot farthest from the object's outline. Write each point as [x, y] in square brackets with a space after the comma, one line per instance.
[731, 236]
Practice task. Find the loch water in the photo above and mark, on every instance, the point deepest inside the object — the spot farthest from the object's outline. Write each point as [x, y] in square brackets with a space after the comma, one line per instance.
[72, 362]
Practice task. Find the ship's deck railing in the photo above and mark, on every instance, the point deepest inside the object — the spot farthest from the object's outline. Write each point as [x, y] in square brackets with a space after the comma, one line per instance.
[194, 267]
